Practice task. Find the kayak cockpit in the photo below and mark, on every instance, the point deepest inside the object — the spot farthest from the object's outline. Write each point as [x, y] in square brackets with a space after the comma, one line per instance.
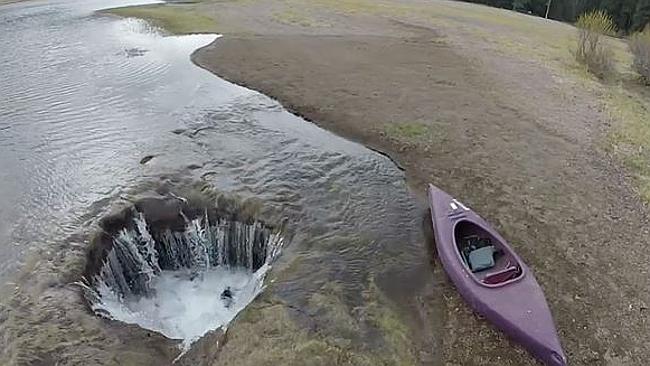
[488, 260]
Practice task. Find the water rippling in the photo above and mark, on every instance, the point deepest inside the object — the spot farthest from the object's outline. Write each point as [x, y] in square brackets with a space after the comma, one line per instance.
[85, 98]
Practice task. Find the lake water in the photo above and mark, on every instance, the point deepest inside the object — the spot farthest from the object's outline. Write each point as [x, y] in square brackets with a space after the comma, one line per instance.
[85, 97]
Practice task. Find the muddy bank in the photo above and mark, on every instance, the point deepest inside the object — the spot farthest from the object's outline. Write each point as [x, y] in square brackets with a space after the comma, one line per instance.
[532, 166]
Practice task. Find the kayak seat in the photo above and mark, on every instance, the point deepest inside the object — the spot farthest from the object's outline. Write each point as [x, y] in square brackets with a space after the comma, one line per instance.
[481, 258]
[502, 276]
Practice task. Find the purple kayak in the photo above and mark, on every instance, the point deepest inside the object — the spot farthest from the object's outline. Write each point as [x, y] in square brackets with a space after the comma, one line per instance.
[492, 278]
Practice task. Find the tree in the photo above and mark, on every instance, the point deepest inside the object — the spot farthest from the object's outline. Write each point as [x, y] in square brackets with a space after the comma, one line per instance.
[641, 15]
[520, 5]
[537, 7]
[628, 15]
[621, 11]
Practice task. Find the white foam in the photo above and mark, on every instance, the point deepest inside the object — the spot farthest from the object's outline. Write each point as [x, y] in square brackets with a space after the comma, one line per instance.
[186, 305]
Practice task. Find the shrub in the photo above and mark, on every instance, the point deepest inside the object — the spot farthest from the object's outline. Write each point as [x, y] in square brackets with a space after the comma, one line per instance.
[640, 48]
[592, 50]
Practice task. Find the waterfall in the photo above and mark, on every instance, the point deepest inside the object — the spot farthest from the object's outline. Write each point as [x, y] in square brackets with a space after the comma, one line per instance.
[148, 274]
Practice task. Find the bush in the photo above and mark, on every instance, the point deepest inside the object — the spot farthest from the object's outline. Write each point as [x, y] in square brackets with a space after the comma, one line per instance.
[640, 47]
[592, 50]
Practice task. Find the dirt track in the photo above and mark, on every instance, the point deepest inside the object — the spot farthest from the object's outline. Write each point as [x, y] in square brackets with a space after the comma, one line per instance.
[504, 134]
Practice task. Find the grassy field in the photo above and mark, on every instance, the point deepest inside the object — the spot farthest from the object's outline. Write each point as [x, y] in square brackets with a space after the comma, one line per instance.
[543, 41]
[550, 43]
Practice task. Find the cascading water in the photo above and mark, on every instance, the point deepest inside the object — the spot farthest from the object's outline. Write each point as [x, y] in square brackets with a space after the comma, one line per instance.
[181, 277]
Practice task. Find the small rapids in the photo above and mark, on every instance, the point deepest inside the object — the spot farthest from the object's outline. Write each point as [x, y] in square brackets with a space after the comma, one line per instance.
[181, 276]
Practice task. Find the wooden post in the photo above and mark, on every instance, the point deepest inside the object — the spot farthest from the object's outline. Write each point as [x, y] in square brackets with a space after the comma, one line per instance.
[548, 7]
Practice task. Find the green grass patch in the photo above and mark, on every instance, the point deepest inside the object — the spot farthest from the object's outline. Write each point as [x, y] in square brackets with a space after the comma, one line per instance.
[292, 17]
[408, 131]
[352, 6]
[173, 18]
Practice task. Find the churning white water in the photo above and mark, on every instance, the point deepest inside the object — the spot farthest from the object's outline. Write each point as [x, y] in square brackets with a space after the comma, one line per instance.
[186, 305]
[183, 284]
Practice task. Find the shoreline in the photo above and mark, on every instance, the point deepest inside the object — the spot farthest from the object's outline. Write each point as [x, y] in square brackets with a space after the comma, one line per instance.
[500, 132]
[295, 111]
[311, 311]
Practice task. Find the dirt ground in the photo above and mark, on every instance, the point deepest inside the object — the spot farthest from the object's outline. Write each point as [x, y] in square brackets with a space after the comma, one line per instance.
[494, 123]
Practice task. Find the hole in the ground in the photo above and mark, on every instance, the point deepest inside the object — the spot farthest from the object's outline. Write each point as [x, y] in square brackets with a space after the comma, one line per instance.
[177, 267]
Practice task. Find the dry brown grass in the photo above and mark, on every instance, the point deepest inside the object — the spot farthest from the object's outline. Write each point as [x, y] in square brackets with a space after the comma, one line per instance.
[640, 48]
[592, 51]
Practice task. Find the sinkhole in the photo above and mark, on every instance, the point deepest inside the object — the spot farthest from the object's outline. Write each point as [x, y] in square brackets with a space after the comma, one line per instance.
[178, 267]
